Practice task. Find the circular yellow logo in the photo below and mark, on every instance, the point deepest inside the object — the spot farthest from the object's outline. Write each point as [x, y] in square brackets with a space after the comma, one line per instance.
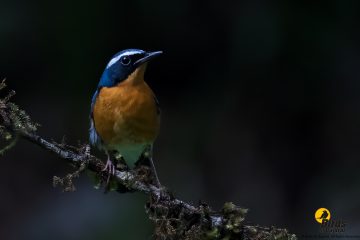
[322, 215]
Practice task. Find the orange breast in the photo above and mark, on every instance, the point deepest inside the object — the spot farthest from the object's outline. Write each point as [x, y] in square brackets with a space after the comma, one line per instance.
[126, 114]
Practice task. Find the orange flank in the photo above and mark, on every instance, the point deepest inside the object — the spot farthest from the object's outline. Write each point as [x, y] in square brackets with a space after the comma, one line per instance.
[127, 113]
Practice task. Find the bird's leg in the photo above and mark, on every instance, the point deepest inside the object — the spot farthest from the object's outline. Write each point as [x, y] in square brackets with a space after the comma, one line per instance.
[148, 154]
[109, 167]
[154, 172]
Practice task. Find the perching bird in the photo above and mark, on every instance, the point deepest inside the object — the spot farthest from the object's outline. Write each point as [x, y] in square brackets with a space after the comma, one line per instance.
[125, 115]
[324, 215]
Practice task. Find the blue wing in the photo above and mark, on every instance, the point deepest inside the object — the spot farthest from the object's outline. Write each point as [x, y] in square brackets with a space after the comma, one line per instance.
[94, 137]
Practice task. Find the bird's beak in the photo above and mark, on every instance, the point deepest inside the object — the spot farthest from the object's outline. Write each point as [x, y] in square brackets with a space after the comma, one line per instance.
[147, 57]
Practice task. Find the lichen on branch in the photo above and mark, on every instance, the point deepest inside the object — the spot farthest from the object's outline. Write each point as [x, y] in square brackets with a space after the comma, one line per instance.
[13, 120]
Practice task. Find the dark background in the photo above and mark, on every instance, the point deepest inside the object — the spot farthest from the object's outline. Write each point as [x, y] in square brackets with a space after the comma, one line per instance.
[260, 106]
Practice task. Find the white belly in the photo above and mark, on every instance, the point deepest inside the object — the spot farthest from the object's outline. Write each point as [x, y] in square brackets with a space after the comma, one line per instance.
[130, 152]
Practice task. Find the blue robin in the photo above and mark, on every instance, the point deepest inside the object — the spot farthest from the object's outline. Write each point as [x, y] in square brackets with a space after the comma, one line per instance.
[125, 115]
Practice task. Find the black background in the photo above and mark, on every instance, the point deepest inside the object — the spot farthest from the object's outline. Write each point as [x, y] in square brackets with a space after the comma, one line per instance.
[260, 106]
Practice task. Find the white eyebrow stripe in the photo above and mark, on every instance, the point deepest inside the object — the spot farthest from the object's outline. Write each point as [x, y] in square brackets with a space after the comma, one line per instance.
[115, 59]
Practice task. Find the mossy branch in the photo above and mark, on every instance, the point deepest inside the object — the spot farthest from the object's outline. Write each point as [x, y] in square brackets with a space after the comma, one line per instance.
[173, 218]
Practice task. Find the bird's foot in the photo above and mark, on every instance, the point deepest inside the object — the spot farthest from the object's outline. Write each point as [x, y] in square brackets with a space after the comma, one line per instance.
[110, 169]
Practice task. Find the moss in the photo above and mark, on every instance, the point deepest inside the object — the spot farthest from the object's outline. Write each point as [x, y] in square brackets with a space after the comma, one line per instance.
[13, 120]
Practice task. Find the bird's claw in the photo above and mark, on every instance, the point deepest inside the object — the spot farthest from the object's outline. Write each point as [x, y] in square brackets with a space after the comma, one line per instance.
[110, 169]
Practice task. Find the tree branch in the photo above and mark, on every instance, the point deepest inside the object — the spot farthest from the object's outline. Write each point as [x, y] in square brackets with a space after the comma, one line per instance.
[173, 218]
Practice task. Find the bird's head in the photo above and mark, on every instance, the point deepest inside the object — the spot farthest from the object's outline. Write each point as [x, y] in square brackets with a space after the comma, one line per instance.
[130, 62]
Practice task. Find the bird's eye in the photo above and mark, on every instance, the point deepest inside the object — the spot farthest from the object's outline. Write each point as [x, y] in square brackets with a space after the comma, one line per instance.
[125, 60]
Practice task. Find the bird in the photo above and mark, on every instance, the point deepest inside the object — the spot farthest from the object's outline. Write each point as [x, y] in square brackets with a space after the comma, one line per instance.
[324, 216]
[125, 113]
